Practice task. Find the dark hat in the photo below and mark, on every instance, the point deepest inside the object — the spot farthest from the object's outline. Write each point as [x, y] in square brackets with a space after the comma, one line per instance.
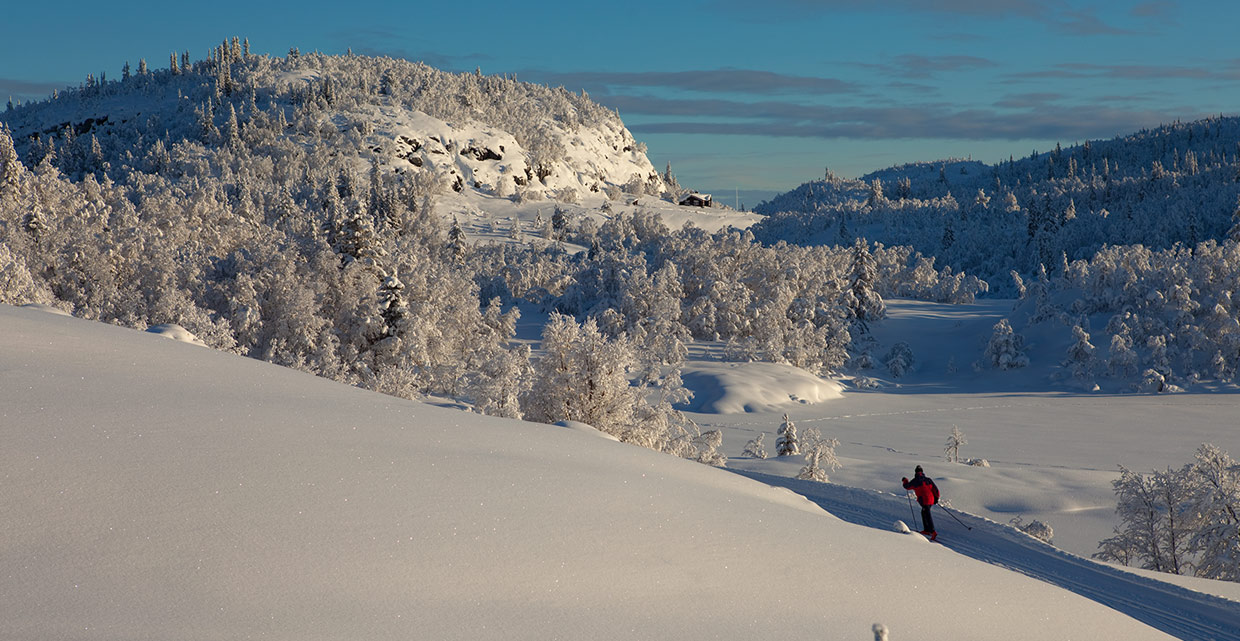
[918, 470]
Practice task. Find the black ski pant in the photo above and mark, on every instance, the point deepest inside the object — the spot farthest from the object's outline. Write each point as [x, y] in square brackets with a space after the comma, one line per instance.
[927, 521]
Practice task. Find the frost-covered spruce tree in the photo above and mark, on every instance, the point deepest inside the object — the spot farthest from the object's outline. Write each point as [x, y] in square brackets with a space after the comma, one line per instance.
[11, 169]
[392, 306]
[456, 242]
[861, 298]
[1006, 349]
[1080, 357]
[786, 444]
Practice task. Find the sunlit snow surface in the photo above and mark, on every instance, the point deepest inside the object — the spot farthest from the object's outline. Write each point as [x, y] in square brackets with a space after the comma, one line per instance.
[155, 490]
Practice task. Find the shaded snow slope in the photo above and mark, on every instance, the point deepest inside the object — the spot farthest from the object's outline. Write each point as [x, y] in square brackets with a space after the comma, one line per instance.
[1052, 454]
[1183, 613]
[156, 490]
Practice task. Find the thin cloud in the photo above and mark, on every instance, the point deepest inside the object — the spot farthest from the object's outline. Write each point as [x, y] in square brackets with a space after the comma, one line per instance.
[1044, 120]
[1130, 72]
[716, 81]
[917, 66]
[1084, 23]
[1058, 15]
[1028, 100]
[1158, 9]
[28, 90]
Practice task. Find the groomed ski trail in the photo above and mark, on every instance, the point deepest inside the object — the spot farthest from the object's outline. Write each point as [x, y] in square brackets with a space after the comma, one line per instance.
[1180, 612]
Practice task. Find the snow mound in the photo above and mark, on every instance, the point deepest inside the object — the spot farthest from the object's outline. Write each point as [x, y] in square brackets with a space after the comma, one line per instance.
[176, 333]
[733, 388]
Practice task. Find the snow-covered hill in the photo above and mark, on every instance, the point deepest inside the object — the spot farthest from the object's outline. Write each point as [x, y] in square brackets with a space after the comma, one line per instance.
[468, 131]
[156, 490]
[1156, 188]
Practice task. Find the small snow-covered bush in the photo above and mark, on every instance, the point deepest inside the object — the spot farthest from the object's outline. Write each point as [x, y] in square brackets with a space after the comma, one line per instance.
[755, 448]
[1153, 382]
[1034, 528]
[568, 195]
[865, 382]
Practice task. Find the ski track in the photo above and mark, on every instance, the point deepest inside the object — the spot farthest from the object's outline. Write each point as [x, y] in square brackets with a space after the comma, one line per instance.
[1180, 612]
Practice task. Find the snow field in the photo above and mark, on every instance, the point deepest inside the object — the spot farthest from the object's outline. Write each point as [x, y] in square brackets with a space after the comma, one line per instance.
[159, 490]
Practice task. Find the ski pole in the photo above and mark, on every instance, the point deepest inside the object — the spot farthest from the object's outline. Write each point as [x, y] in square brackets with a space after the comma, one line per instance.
[949, 513]
[912, 516]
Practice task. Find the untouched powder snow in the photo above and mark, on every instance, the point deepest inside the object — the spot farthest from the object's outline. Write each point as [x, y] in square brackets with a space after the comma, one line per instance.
[155, 490]
[730, 388]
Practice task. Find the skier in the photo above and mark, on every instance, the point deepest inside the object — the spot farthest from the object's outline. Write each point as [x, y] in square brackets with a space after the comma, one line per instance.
[927, 495]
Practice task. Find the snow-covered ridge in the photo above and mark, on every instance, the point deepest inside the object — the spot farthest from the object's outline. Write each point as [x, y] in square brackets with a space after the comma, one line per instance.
[492, 134]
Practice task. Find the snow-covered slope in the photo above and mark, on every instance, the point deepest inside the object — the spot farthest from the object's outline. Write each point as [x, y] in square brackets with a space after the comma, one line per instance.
[157, 490]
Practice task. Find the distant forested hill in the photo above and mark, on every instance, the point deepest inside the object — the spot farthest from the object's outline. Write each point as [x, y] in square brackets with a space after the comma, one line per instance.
[1174, 184]
[1131, 238]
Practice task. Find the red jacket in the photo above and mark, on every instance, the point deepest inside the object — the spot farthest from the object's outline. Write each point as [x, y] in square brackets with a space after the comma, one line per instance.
[925, 489]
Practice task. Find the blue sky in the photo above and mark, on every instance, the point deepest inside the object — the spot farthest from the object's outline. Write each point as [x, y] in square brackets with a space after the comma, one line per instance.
[735, 94]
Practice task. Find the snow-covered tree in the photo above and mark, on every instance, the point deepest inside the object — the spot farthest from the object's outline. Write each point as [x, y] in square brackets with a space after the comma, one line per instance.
[787, 444]
[899, 360]
[1006, 349]
[1121, 359]
[707, 445]
[819, 457]
[861, 298]
[1080, 357]
[583, 376]
[11, 169]
[456, 241]
[1157, 520]
[755, 448]
[1217, 499]
[954, 440]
